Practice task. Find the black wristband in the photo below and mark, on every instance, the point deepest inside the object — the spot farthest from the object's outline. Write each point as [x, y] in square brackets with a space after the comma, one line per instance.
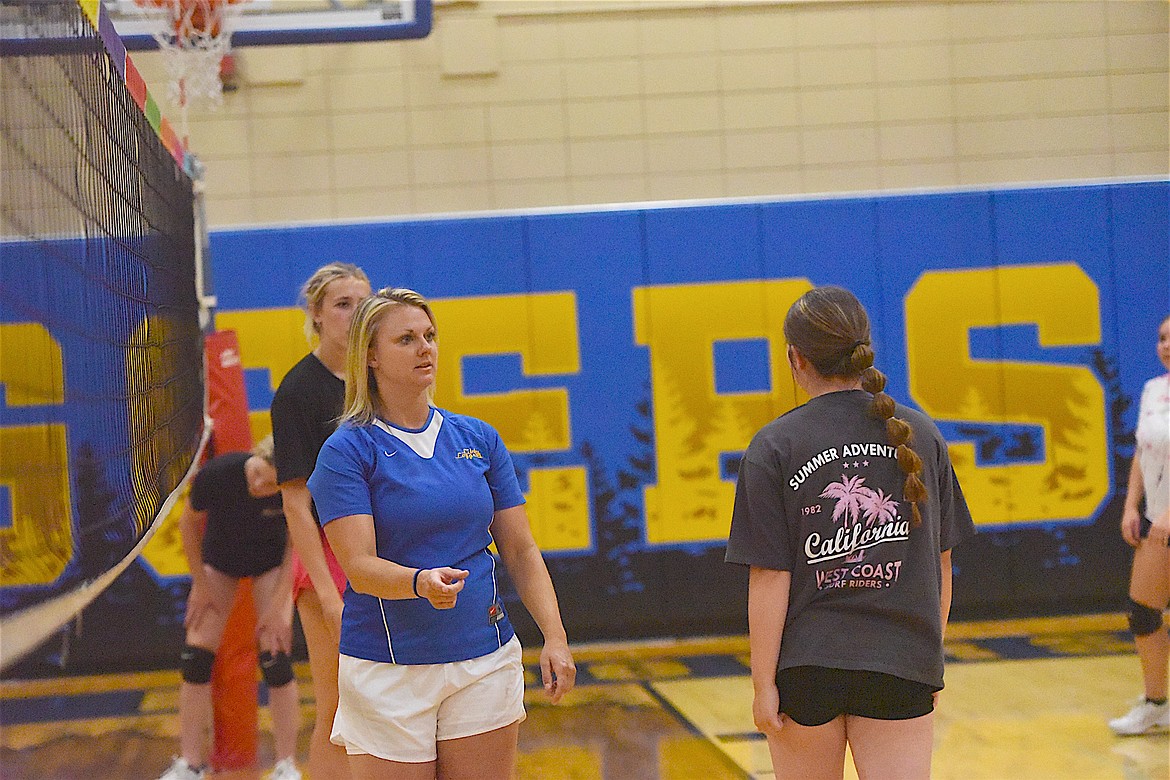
[414, 584]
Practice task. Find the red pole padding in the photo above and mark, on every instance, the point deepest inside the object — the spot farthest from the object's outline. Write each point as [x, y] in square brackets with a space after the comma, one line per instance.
[233, 688]
[227, 397]
[233, 678]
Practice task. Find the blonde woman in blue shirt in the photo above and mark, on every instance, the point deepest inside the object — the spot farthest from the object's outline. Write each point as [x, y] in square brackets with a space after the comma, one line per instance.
[411, 496]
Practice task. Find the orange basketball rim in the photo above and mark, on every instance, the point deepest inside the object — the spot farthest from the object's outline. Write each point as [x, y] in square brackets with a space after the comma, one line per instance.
[193, 19]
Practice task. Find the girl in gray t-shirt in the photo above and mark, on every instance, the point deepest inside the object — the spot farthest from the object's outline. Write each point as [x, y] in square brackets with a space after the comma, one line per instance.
[846, 510]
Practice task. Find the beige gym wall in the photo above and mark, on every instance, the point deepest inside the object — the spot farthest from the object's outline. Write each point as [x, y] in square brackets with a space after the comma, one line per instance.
[568, 102]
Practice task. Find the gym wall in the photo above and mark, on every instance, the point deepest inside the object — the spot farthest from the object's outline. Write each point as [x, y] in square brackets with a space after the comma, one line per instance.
[516, 105]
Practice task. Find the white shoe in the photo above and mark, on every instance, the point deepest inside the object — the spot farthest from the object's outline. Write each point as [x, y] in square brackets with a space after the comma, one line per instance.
[181, 770]
[285, 769]
[1142, 719]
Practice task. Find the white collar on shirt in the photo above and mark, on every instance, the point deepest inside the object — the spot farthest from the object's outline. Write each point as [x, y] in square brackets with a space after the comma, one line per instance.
[422, 442]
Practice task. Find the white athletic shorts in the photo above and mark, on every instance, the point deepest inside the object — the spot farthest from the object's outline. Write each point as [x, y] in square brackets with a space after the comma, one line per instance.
[398, 711]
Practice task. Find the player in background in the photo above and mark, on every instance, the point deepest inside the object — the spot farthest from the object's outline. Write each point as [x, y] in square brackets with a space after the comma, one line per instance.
[1149, 581]
[233, 527]
[304, 412]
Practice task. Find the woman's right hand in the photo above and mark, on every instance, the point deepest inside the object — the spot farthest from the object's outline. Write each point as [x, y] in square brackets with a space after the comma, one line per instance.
[332, 606]
[1131, 525]
[198, 603]
[766, 711]
[440, 586]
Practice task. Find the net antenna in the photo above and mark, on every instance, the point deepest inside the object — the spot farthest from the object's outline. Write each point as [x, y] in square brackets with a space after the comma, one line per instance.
[194, 36]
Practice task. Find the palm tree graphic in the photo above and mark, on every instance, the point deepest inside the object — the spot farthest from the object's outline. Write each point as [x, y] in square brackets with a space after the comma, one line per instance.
[879, 508]
[853, 501]
[851, 496]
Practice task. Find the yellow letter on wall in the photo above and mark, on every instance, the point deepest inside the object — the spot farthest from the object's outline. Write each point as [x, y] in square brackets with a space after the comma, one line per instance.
[271, 339]
[542, 329]
[693, 424]
[558, 508]
[1067, 402]
[34, 461]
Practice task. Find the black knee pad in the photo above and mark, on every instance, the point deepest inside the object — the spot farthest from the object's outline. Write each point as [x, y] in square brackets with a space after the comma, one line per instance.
[275, 669]
[1143, 620]
[196, 663]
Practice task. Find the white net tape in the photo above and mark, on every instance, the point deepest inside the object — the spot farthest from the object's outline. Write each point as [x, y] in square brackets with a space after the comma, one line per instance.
[194, 36]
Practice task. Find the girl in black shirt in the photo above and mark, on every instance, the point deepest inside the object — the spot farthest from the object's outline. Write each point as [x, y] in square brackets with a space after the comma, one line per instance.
[304, 412]
[233, 527]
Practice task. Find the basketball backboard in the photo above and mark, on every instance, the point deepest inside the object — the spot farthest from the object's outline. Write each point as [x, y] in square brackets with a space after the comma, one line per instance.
[273, 22]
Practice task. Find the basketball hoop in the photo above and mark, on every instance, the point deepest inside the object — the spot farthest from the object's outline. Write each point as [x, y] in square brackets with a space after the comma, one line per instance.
[194, 37]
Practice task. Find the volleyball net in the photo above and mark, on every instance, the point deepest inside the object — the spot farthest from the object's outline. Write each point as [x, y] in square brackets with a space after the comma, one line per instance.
[102, 391]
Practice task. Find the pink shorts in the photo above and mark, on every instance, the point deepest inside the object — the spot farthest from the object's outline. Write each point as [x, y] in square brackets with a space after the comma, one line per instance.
[301, 581]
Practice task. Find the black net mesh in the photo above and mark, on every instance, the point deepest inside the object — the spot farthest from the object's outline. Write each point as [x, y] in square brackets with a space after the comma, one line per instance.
[100, 345]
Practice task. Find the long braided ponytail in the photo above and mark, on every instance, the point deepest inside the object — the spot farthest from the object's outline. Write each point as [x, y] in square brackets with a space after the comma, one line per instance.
[900, 435]
[829, 326]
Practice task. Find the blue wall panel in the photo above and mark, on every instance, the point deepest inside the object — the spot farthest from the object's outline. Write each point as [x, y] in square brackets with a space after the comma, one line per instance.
[702, 243]
[460, 257]
[1140, 268]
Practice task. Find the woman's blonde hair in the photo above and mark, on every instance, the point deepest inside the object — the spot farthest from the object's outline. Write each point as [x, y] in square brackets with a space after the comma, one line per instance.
[361, 388]
[264, 450]
[313, 290]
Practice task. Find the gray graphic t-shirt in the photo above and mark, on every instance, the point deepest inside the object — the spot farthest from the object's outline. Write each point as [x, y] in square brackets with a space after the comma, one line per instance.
[819, 495]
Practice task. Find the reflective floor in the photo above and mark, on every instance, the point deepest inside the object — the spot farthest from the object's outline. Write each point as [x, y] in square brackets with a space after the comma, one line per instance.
[1024, 699]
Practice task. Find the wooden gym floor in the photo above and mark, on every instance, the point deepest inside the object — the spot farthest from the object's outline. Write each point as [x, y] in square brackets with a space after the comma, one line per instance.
[1024, 699]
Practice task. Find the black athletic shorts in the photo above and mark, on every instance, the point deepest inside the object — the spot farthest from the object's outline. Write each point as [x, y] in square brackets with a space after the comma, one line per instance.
[814, 695]
[242, 560]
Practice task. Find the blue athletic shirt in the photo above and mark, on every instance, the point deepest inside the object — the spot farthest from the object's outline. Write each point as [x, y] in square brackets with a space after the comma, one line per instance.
[432, 493]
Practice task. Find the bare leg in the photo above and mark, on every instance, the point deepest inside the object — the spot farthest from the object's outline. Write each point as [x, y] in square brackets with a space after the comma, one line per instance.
[196, 717]
[1154, 653]
[283, 701]
[1148, 585]
[891, 749]
[487, 756]
[326, 760]
[809, 752]
[285, 704]
[365, 767]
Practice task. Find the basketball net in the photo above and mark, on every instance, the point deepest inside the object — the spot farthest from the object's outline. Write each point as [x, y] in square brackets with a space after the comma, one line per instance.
[193, 36]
